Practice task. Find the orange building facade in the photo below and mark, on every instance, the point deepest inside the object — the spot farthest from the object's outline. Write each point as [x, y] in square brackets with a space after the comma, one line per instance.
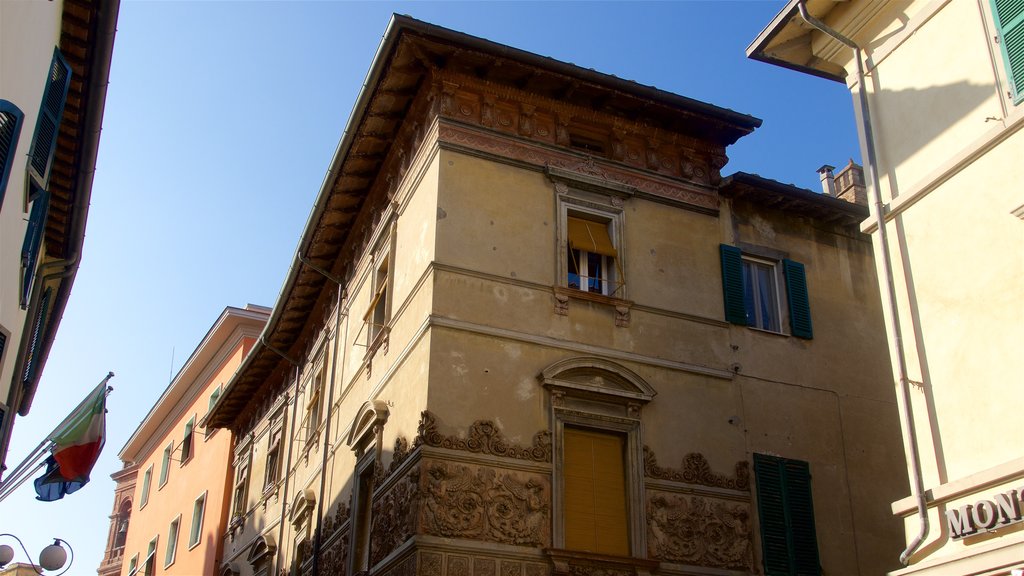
[170, 504]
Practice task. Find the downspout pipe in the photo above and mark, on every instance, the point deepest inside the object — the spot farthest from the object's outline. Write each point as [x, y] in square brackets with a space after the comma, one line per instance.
[907, 411]
[327, 444]
[287, 436]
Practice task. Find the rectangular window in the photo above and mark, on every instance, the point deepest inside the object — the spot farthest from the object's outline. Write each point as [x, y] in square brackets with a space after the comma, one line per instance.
[314, 407]
[33, 241]
[751, 292]
[362, 515]
[239, 503]
[147, 479]
[1009, 20]
[165, 463]
[172, 541]
[187, 441]
[11, 118]
[198, 511]
[591, 260]
[273, 469]
[761, 294]
[214, 396]
[596, 514]
[377, 315]
[786, 512]
[149, 569]
[51, 110]
[133, 565]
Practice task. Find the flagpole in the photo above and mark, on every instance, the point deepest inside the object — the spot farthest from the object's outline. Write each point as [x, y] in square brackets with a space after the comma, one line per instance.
[74, 412]
[24, 470]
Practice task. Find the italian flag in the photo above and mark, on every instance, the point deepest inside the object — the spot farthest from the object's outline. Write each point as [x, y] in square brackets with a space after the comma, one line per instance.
[77, 443]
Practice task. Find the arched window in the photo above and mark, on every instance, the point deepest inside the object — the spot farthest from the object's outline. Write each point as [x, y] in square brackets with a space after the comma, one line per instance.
[124, 514]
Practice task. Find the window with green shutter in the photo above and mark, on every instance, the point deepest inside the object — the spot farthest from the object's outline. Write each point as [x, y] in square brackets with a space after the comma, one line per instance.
[35, 342]
[789, 544]
[51, 109]
[33, 241]
[10, 128]
[752, 296]
[1009, 19]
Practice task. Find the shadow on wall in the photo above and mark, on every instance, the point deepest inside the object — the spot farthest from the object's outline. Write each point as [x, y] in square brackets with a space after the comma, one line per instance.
[910, 120]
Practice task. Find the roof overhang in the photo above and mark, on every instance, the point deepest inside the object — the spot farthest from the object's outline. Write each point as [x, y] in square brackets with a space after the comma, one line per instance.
[787, 41]
[792, 199]
[408, 55]
[86, 41]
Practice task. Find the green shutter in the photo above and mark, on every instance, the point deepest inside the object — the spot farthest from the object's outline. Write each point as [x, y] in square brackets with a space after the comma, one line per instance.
[786, 515]
[10, 128]
[732, 284]
[51, 109]
[1009, 18]
[801, 518]
[34, 345]
[33, 241]
[799, 303]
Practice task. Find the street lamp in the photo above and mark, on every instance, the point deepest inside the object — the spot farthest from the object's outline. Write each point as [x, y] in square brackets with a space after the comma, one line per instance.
[52, 557]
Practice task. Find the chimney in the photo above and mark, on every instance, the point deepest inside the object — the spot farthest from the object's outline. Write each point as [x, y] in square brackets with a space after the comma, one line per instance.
[828, 182]
[849, 184]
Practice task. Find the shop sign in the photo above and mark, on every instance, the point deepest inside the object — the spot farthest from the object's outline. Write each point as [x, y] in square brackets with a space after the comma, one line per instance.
[1002, 510]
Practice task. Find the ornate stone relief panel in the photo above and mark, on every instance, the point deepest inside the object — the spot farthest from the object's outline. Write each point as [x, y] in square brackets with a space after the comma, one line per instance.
[484, 438]
[696, 470]
[699, 531]
[527, 115]
[394, 516]
[484, 503]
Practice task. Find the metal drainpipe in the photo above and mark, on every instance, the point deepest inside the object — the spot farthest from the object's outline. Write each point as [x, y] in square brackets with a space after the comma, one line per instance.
[317, 536]
[287, 468]
[907, 413]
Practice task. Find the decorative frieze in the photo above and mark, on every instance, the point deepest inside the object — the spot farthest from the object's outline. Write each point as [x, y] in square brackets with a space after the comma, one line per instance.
[696, 470]
[698, 531]
[484, 438]
[394, 516]
[541, 156]
[481, 503]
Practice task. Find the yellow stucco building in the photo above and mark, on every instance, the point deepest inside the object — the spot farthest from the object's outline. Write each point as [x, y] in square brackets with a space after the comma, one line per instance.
[171, 498]
[938, 89]
[54, 64]
[531, 330]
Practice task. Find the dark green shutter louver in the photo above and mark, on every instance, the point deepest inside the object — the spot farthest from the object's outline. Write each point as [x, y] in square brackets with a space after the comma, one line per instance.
[38, 326]
[10, 128]
[786, 514]
[33, 241]
[1009, 19]
[799, 303]
[44, 140]
[732, 284]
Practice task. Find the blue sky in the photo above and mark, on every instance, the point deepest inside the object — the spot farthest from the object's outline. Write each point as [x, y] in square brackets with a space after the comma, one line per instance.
[221, 121]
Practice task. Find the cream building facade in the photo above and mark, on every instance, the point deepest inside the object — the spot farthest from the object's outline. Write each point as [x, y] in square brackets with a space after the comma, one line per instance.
[54, 64]
[531, 330]
[170, 500]
[939, 102]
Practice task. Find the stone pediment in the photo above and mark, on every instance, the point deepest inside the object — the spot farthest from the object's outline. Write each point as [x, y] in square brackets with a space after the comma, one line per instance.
[596, 377]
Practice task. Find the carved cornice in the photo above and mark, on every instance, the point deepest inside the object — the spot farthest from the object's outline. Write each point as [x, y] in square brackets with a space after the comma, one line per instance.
[696, 470]
[484, 438]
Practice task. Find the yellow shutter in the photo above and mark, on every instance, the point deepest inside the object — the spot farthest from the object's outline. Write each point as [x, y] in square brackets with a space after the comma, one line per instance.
[590, 236]
[595, 493]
